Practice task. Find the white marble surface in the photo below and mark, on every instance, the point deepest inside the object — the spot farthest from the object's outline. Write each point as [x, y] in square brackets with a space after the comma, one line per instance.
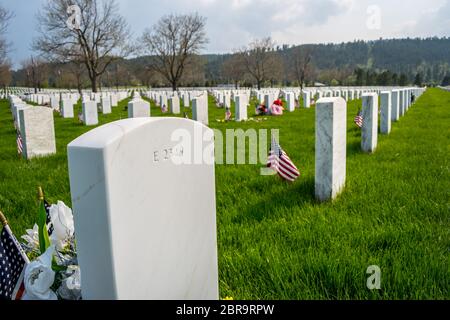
[38, 132]
[395, 103]
[186, 102]
[369, 132]
[163, 101]
[386, 108]
[90, 113]
[241, 108]
[226, 101]
[174, 105]
[145, 226]
[331, 147]
[138, 108]
[114, 100]
[106, 105]
[290, 99]
[200, 110]
[306, 99]
[67, 108]
[402, 99]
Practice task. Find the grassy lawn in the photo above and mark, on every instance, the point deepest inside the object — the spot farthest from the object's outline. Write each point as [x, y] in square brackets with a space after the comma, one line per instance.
[275, 241]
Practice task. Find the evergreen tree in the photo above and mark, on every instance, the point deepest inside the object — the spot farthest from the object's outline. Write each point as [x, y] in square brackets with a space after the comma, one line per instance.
[418, 80]
[403, 80]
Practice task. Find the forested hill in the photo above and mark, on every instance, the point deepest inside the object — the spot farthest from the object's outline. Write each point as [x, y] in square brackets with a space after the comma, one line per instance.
[430, 57]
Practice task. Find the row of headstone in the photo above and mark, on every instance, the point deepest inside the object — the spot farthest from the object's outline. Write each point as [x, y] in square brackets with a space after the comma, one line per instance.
[331, 133]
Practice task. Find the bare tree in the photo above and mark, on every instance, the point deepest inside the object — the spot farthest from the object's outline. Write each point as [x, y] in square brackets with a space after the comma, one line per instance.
[261, 61]
[173, 42]
[5, 17]
[5, 75]
[233, 69]
[100, 38]
[302, 64]
[77, 69]
[36, 71]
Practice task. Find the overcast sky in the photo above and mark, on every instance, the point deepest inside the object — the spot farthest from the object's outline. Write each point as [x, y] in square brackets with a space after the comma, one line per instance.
[233, 23]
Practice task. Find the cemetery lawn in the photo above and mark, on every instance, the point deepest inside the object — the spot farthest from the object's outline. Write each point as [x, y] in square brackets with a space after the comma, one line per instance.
[274, 240]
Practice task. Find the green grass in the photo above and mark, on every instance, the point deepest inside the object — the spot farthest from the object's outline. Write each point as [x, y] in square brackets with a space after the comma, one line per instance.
[275, 241]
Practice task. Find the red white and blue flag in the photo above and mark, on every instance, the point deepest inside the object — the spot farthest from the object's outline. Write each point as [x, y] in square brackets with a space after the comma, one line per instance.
[228, 115]
[359, 119]
[19, 143]
[12, 266]
[281, 163]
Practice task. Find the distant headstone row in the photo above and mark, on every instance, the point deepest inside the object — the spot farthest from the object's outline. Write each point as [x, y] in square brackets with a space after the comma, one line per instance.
[35, 124]
[331, 133]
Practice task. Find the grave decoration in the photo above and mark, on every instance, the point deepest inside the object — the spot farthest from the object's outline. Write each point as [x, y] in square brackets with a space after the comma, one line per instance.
[261, 110]
[277, 108]
[51, 270]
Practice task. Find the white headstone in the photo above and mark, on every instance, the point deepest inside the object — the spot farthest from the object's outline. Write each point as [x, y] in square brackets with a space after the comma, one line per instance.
[386, 108]
[90, 113]
[402, 102]
[67, 108]
[241, 108]
[290, 101]
[138, 108]
[134, 239]
[331, 147]
[174, 105]
[38, 132]
[395, 113]
[369, 132]
[106, 105]
[114, 102]
[306, 99]
[200, 110]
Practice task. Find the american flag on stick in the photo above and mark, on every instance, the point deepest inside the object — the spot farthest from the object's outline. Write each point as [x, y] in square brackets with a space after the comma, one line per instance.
[281, 163]
[228, 115]
[19, 143]
[359, 119]
[13, 261]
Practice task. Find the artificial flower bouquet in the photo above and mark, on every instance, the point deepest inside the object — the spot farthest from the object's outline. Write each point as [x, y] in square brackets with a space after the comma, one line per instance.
[53, 271]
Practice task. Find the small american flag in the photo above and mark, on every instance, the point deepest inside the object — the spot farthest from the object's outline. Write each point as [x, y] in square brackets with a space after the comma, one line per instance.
[19, 143]
[359, 119]
[80, 117]
[281, 163]
[228, 114]
[164, 109]
[12, 266]
[50, 227]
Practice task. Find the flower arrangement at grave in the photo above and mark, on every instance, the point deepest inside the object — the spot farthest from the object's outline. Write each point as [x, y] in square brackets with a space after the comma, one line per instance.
[53, 272]
[277, 108]
[261, 110]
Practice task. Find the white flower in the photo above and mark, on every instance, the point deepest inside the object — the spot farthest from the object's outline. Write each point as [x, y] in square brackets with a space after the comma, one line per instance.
[32, 238]
[74, 281]
[63, 225]
[39, 277]
[70, 288]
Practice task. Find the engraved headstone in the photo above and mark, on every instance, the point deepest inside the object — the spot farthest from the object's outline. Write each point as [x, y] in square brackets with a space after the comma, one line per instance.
[134, 242]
